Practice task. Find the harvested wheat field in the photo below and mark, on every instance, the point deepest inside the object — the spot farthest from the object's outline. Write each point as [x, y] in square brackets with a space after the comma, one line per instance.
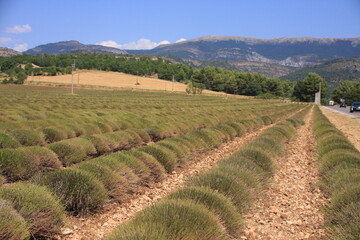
[350, 126]
[115, 80]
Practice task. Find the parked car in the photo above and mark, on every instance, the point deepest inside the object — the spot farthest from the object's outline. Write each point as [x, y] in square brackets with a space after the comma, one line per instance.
[355, 106]
[343, 104]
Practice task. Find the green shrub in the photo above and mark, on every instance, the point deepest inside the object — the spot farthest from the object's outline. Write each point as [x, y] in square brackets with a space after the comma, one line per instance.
[227, 130]
[157, 133]
[247, 164]
[249, 178]
[134, 163]
[145, 137]
[343, 178]
[78, 191]
[226, 184]
[118, 140]
[330, 139]
[172, 219]
[38, 206]
[103, 127]
[54, 134]
[345, 196]
[258, 156]
[163, 155]
[205, 139]
[335, 147]
[180, 150]
[216, 203]
[345, 224]
[198, 143]
[44, 157]
[287, 130]
[16, 165]
[8, 142]
[267, 120]
[134, 139]
[182, 141]
[112, 181]
[73, 150]
[120, 168]
[28, 137]
[157, 170]
[78, 130]
[268, 144]
[2, 180]
[239, 128]
[332, 159]
[99, 142]
[13, 225]
[91, 129]
[85, 144]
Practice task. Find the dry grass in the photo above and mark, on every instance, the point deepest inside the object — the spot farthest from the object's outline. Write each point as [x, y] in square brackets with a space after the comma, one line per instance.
[113, 79]
[350, 126]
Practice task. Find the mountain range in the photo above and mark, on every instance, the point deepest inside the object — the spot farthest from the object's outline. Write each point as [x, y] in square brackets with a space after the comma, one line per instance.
[290, 52]
[332, 71]
[6, 52]
[288, 58]
[72, 46]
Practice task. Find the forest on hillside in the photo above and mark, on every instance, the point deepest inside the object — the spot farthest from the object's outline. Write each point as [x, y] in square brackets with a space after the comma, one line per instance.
[17, 68]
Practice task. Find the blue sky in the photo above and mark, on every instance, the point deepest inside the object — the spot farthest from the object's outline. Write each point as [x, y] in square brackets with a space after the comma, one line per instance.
[138, 24]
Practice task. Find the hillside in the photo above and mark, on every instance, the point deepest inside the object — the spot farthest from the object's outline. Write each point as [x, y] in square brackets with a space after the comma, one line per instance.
[113, 80]
[332, 71]
[266, 69]
[294, 52]
[71, 46]
[6, 52]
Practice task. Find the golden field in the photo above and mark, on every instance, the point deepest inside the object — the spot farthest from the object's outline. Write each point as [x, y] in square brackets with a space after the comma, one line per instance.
[113, 80]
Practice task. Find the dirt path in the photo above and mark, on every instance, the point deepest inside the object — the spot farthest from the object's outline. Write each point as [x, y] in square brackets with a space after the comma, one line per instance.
[290, 207]
[98, 225]
[350, 126]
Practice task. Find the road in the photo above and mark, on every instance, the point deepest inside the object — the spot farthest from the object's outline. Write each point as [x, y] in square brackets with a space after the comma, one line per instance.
[344, 111]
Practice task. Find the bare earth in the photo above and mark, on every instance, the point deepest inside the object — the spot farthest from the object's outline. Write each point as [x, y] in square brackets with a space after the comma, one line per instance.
[350, 126]
[113, 79]
[290, 207]
[98, 225]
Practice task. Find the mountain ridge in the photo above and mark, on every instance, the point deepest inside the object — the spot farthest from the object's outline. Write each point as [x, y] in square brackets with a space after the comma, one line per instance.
[71, 46]
[332, 71]
[5, 52]
[292, 52]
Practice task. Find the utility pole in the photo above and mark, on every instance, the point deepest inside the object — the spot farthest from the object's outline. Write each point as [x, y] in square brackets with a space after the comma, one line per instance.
[137, 78]
[172, 84]
[72, 78]
[320, 93]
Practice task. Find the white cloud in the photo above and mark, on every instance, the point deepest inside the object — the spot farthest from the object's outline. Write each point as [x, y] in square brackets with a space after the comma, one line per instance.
[19, 29]
[5, 40]
[164, 42]
[109, 44]
[181, 40]
[21, 47]
[142, 43]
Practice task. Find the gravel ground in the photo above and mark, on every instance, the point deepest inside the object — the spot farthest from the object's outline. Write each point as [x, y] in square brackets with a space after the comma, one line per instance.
[290, 207]
[98, 225]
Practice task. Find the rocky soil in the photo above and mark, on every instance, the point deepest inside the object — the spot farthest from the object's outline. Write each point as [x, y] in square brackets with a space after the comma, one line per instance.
[290, 208]
[98, 225]
[350, 126]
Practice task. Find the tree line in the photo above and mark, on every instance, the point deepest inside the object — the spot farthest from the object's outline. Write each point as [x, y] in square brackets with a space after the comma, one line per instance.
[212, 78]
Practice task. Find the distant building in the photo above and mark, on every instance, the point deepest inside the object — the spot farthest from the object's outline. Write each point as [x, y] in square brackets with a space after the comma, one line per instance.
[22, 65]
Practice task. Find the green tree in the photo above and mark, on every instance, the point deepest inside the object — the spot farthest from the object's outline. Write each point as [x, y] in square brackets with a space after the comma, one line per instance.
[344, 90]
[305, 90]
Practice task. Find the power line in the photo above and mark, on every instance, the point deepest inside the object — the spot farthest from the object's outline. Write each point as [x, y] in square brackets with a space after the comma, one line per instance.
[72, 77]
